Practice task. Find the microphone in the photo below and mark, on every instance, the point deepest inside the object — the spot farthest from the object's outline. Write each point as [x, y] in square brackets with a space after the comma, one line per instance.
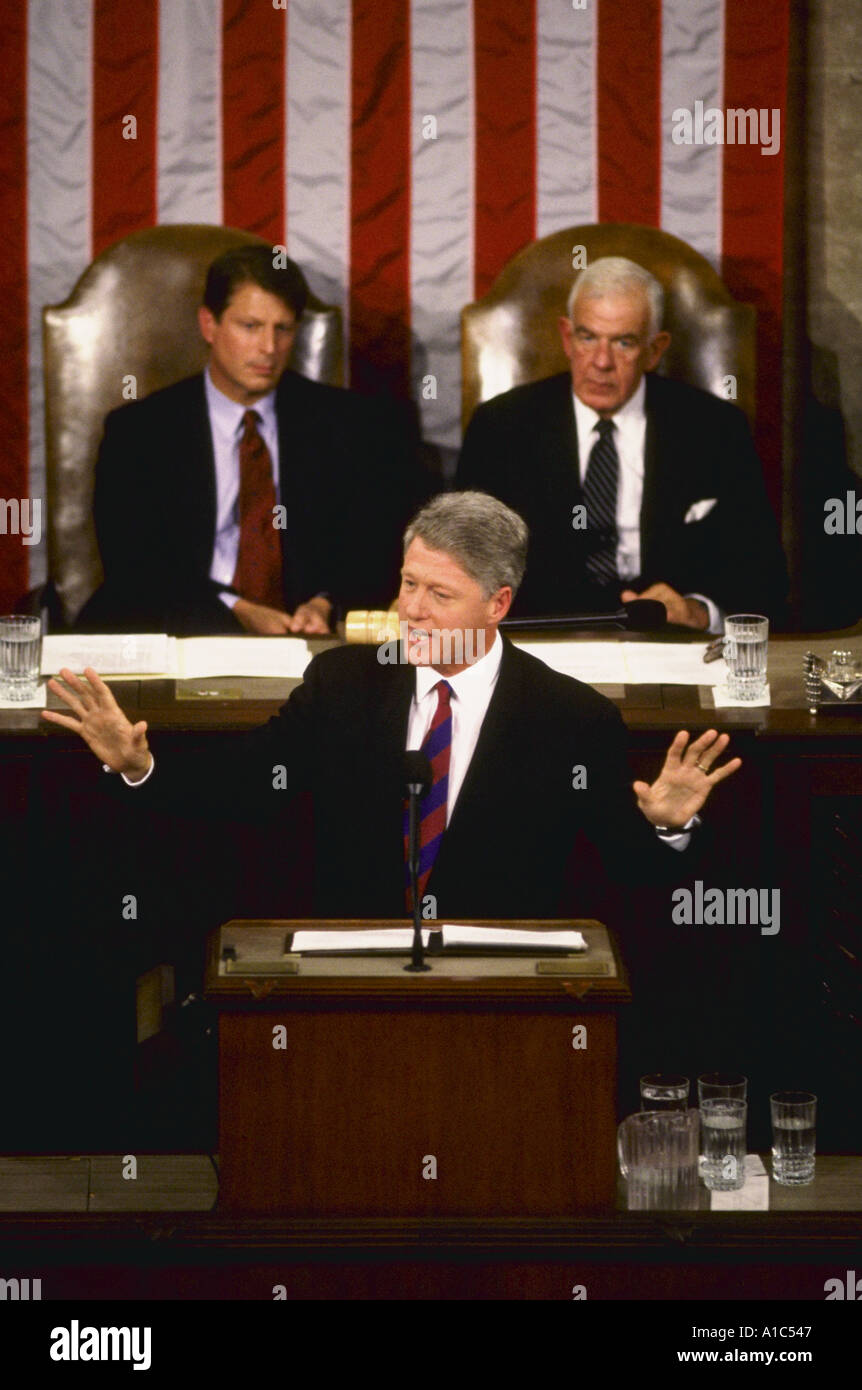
[417, 772]
[418, 778]
[638, 615]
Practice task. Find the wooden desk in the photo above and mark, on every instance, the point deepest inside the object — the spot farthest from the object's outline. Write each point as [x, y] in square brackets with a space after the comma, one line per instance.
[810, 1235]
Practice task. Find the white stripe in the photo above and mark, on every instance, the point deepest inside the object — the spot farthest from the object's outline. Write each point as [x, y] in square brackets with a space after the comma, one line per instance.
[692, 65]
[59, 175]
[318, 146]
[566, 116]
[441, 207]
[188, 149]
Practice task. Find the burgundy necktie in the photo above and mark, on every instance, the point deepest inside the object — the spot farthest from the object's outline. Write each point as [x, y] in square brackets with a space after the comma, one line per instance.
[437, 747]
[258, 563]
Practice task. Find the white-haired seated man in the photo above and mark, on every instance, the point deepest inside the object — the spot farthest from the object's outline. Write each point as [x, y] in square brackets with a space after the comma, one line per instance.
[632, 485]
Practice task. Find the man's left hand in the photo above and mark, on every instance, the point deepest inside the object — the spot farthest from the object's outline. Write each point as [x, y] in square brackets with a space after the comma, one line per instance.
[686, 780]
[686, 612]
[312, 617]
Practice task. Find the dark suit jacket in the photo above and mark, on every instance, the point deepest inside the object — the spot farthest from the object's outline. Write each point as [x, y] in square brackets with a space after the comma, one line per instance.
[342, 735]
[522, 447]
[347, 481]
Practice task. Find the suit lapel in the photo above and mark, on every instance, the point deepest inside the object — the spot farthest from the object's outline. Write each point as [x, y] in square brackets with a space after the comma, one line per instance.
[558, 445]
[662, 461]
[196, 462]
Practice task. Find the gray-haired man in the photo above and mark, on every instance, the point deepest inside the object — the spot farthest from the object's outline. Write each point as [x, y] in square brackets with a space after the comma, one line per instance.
[632, 485]
[502, 731]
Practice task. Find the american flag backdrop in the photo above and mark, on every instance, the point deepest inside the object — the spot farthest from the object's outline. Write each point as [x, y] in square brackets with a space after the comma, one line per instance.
[402, 150]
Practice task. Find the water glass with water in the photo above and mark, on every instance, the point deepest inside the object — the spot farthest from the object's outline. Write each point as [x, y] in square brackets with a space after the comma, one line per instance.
[664, 1091]
[20, 657]
[746, 642]
[794, 1117]
[722, 1138]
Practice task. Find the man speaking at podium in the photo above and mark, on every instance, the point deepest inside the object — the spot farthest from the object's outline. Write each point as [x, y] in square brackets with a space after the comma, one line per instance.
[523, 758]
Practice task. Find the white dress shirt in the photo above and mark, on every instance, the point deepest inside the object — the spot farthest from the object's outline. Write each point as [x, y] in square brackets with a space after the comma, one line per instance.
[630, 439]
[226, 425]
[472, 689]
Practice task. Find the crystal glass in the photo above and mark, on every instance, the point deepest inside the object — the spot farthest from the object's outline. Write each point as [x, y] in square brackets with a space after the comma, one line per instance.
[722, 1139]
[794, 1117]
[664, 1091]
[20, 657]
[746, 642]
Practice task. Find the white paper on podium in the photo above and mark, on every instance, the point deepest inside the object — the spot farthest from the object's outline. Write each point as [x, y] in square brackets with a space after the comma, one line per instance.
[454, 935]
[376, 939]
[242, 656]
[131, 655]
[401, 939]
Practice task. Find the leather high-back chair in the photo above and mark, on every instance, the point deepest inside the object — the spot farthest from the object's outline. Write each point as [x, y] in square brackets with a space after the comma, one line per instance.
[130, 325]
[511, 335]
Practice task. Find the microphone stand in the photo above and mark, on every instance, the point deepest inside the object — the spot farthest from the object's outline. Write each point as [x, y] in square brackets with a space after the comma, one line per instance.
[417, 958]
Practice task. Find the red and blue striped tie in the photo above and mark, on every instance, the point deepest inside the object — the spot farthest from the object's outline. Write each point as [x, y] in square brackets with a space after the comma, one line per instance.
[437, 747]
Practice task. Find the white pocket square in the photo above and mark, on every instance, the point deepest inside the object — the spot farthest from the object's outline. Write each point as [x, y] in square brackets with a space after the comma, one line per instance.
[698, 510]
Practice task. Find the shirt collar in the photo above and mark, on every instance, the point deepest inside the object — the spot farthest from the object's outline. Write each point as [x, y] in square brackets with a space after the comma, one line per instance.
[473, 681]
[633, 411]
[226, 415]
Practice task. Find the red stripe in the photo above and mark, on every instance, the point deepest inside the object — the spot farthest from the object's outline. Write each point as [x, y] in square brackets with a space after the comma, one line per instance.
[757, 45]
[380, 197]
[13, 289]
[505, 148]
[629, 111]
[125, 69]
[254, 35]
[433, 825]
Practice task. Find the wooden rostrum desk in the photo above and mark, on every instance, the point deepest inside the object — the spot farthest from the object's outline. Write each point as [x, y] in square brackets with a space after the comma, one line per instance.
[355, 1088]
[808, 1236]
[790, 819]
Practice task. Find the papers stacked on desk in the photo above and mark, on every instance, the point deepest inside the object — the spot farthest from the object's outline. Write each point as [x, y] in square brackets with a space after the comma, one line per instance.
[628, 663]
[154, 656]
[401, 939]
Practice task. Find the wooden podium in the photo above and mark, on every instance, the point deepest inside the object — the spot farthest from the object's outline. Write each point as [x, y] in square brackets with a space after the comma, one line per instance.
[352, 1088]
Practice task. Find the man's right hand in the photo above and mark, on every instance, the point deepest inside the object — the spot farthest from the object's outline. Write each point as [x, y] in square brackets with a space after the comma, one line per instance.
[256, 617]
[98, 719]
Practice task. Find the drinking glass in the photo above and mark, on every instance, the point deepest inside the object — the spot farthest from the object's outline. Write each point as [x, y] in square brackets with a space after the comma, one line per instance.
[746, 641]
[664, 1091]
[794, 1115]
[20, 657]
[722, 1132]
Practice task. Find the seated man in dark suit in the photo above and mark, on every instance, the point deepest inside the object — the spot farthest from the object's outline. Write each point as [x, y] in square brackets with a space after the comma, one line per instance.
[523, 758]
[632, 486]
[248, 498]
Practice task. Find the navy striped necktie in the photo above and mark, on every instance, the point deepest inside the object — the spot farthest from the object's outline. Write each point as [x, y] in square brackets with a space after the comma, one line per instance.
[600, 496]
[437, 747]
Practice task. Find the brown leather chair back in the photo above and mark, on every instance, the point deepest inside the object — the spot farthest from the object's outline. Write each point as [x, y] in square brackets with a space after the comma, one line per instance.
[133, 314]
[511, 336]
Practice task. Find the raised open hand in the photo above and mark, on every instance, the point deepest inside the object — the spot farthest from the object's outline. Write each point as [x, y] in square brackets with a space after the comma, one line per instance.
[686, 779]
[98, 719]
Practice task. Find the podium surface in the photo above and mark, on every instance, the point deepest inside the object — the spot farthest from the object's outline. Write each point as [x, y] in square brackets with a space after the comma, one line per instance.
[484, 1087]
